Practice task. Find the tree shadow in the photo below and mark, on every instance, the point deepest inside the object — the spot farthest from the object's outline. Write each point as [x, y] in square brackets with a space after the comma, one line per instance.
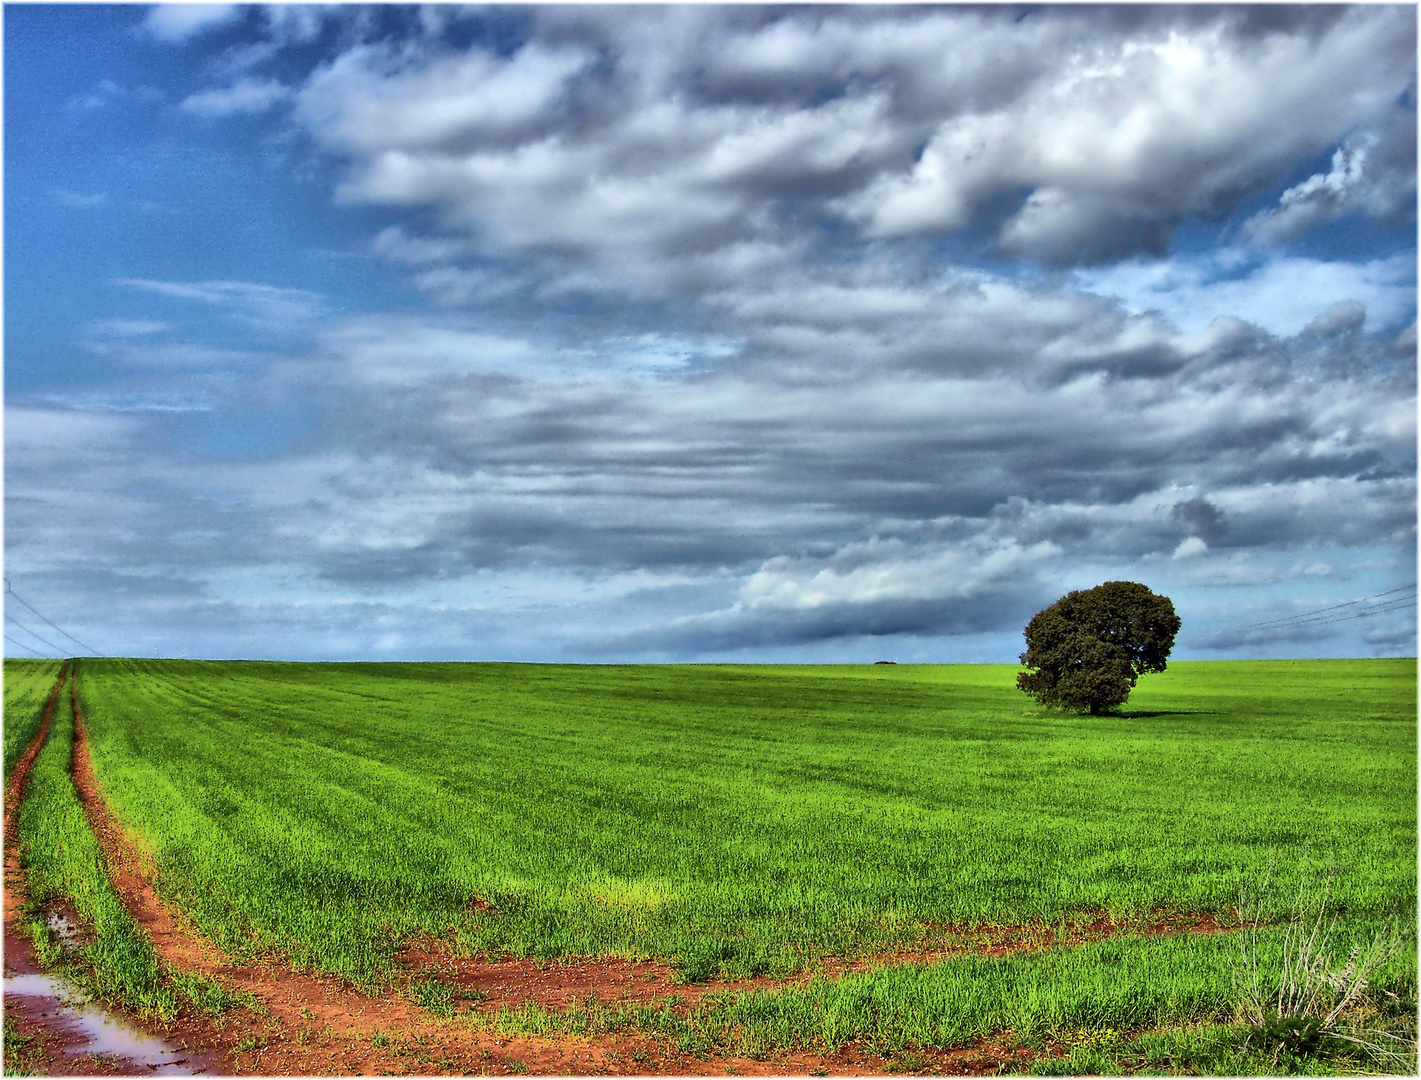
[1145, 714]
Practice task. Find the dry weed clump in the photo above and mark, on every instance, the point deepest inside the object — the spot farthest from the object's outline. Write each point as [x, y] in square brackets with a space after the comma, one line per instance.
[1303, 1001]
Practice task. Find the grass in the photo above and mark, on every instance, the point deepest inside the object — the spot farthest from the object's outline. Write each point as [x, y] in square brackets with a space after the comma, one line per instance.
[1202, 1050]
[1085, 997]
[27, 685]
[24, 1055]
[743, 820]
[63, 862]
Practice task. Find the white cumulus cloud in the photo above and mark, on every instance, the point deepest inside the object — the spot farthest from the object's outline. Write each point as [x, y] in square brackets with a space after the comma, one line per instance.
[175, 23]
[243, 96]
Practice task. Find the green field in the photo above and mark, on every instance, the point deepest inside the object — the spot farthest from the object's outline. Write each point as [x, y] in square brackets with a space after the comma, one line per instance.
[743, 820]
[27, 687]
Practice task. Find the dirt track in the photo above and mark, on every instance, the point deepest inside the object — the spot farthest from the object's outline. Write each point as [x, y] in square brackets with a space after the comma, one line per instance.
[36, 1017]
[496, 984]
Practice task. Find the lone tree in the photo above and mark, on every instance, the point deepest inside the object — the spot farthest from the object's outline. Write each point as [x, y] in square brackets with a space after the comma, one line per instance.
[1087, 649]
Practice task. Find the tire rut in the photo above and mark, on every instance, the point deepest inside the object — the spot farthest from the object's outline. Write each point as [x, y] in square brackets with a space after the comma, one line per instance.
[19, 951]
[60, 1041]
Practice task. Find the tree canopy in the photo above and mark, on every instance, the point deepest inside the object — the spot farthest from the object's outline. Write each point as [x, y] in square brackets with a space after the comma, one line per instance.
[1087, 650]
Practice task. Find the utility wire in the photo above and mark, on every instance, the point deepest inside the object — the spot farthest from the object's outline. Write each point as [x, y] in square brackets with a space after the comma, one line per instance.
[26, 629]
[1339, 616]
[1319, 611]
[1380, 609]
[87, 648]
[27, 649]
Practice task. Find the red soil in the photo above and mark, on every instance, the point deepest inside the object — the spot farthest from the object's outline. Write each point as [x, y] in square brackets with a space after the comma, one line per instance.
[19, 952]
[495, 984]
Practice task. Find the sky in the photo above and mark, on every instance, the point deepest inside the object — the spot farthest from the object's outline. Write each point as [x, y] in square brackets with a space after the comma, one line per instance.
[788, 334]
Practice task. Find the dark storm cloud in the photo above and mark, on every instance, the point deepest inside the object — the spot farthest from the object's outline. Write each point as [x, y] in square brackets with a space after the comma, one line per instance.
[1201, 518]
[742, 628]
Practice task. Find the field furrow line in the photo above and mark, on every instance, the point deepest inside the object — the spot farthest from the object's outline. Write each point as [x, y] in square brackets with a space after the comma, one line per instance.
[177, 945]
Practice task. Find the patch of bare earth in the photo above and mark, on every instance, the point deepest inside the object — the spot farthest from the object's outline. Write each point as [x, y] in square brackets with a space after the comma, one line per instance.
[558, 984]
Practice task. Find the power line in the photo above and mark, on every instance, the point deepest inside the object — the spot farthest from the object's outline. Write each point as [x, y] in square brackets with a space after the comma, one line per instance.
[21, 645]
[1319, 611]
[26, 629]
[1380, 609]
[1340, 616]
[87, 648]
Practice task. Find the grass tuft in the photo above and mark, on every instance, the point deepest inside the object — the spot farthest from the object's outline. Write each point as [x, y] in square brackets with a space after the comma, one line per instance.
[434, 997]
[1310, 996]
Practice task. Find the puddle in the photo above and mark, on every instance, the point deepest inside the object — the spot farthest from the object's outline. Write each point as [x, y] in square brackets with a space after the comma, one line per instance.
[100, 1032]
[65, 928]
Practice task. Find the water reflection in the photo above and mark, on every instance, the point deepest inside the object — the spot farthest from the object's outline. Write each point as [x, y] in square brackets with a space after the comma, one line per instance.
[63, 927]
[105, 1033]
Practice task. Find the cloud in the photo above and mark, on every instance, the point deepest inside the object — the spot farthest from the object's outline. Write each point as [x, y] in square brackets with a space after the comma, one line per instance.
[1368, 176]
[265, 306]
[176, 354]
[395, 243]
[877, 572]
[416, 352]
[368, 101]
[1201, 519]
[176, 23]
[127, 328]
[106, 91]
[1343, 317]
[1281, 294]
[1191, 547]
[634, 153]
[75, 201]
[243, 97]
[870, 589]
[61, 431]
[1120, 138]
[294, 23]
